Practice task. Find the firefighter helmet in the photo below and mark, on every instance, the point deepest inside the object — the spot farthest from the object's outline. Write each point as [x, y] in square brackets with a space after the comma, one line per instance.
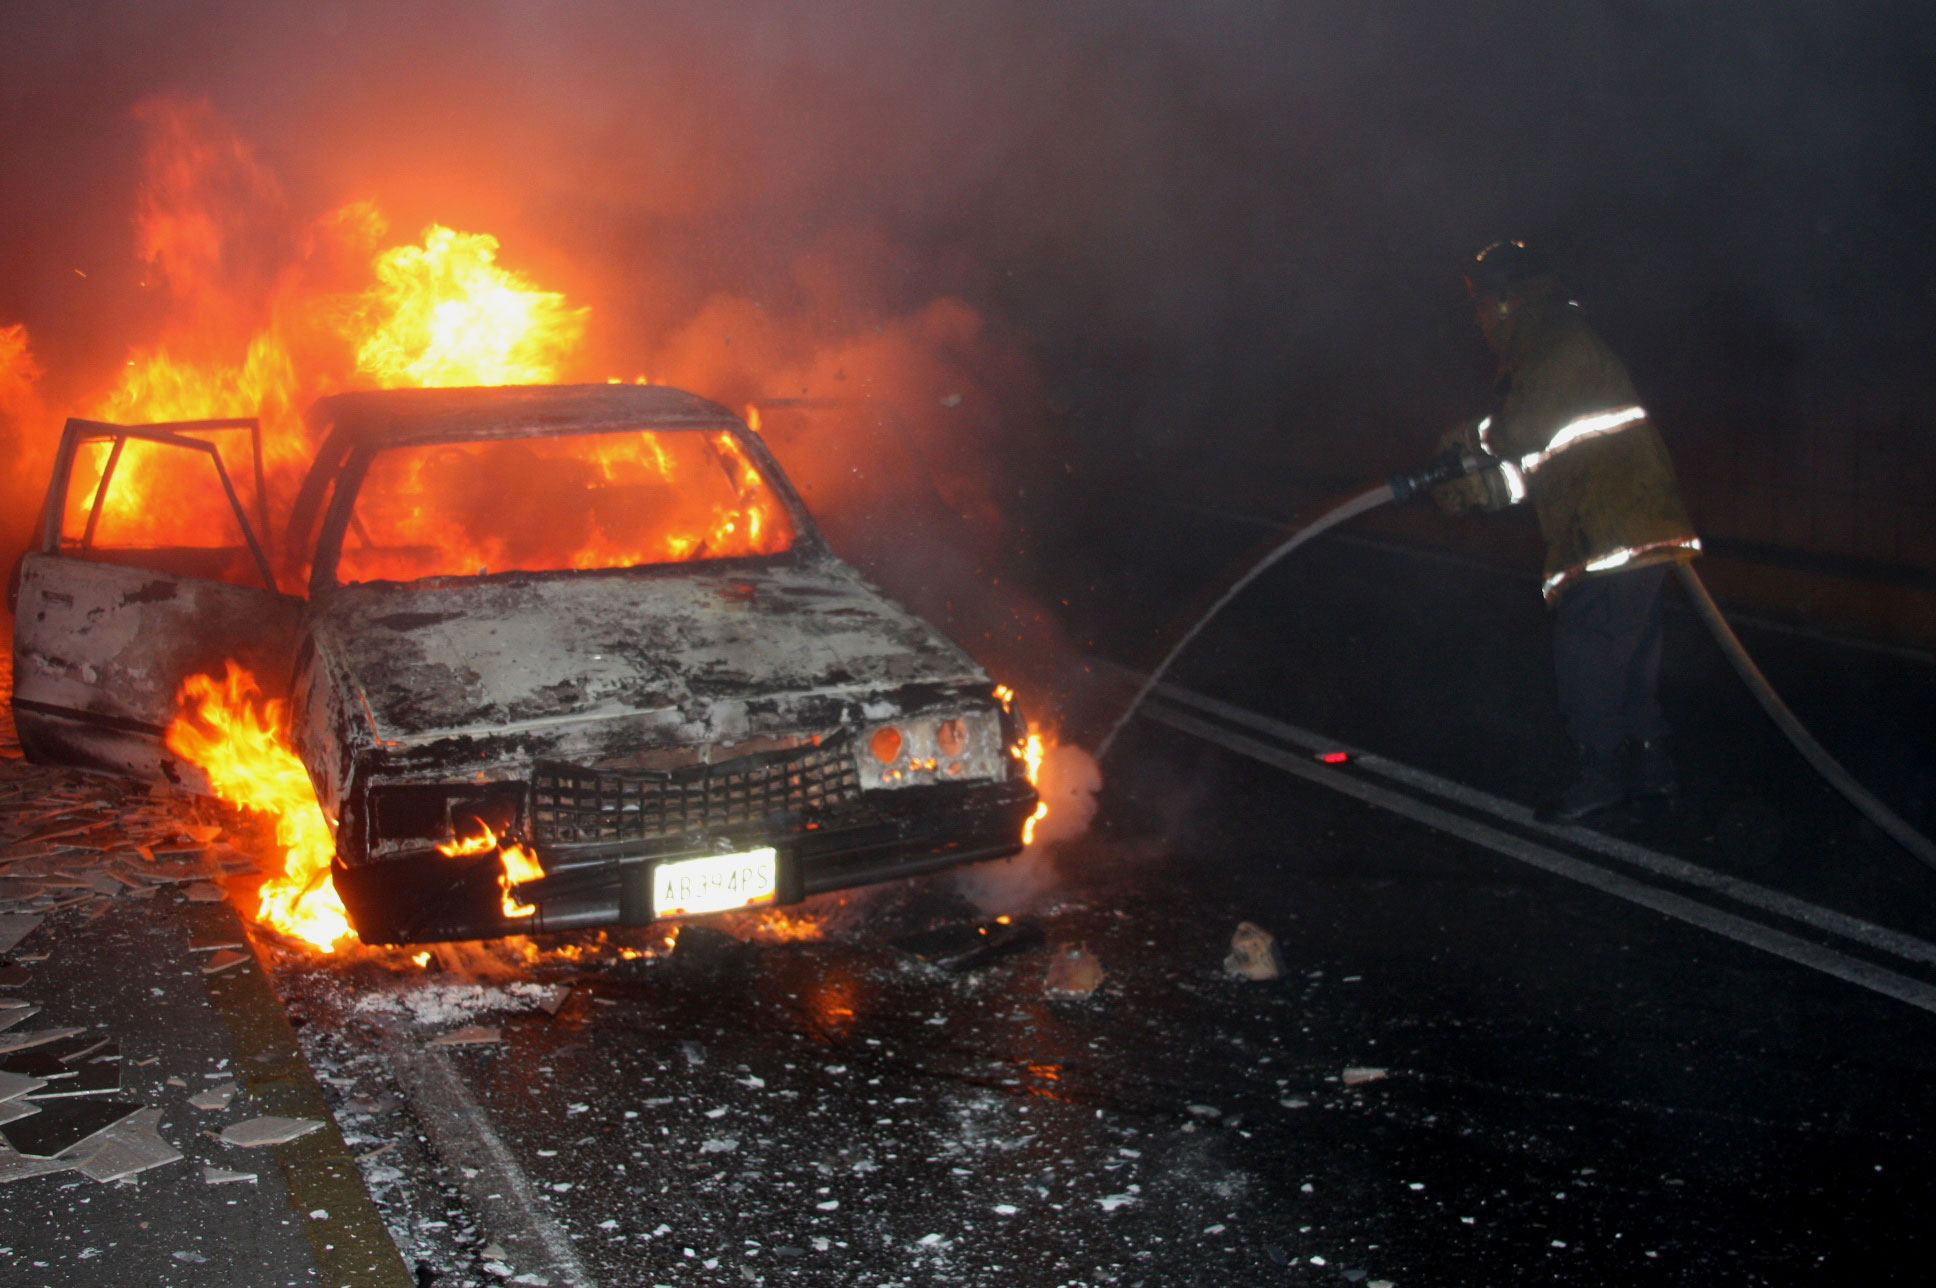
[1500, 266]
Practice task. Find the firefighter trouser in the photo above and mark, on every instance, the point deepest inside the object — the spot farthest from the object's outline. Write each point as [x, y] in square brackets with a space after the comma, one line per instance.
[1606, 657]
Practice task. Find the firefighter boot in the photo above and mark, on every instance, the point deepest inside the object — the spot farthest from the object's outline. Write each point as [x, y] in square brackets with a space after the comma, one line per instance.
[1600, 785]
[1653, 771]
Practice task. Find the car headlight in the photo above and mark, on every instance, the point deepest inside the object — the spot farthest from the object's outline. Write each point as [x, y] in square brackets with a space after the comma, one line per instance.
[941, 748]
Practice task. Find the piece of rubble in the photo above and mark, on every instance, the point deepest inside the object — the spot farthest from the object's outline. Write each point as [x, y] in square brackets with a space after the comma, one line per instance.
[212, 1175]
[1074, 972]
[204, 892]
[14, 927]
[973, 944]
[102, 883]
[1253, 953]
[37, 1063]
[223, 960]
[13, 1015]
[215, 948]
[469, 1035]
[1357, 1073]
[13, 1085]
[13, 1109]
[214, 1097]
[554, 998]
[99, 1075]
[130, 1146]
[269, 1129]
[18, 1167]
[11, 1042]
[65, 1124]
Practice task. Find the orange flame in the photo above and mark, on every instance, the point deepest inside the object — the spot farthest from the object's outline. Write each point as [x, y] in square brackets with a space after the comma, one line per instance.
[1032, 751]
[1029, 751]
[444, 313]
[518, 863]
[245, 339]
[235, 736]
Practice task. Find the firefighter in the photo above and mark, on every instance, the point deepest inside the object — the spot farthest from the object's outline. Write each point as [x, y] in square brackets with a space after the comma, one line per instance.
[1570, 435]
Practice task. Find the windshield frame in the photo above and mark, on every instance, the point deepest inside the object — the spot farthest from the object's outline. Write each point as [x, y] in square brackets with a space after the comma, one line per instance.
[349, 479]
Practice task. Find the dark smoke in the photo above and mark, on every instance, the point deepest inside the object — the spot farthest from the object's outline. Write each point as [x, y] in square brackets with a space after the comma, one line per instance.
[1188, 243]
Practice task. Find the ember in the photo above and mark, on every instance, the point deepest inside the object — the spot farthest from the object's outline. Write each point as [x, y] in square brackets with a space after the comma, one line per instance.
[233, 735]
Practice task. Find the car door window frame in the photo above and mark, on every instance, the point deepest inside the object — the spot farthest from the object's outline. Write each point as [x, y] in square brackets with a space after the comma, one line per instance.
[169, 433]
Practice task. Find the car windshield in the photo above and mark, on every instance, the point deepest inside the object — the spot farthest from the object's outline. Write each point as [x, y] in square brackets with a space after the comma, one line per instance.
[606, 500]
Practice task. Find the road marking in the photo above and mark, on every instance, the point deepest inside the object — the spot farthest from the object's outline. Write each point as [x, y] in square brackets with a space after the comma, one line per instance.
[461, 1132]
[1828, 920]
[1740, 929]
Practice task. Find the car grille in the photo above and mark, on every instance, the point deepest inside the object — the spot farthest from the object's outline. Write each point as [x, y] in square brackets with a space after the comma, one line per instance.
[573, 803]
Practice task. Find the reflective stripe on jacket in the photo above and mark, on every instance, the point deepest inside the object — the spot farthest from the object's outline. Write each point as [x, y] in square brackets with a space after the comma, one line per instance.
[1575, 438]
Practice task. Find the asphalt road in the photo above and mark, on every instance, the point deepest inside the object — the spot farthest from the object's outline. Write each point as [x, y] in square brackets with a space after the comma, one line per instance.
[1692, 1047]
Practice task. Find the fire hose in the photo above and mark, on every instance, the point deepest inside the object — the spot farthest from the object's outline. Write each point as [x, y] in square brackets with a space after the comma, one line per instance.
[1458, 463]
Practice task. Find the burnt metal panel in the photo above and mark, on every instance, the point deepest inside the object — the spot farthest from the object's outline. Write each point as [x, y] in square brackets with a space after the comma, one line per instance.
[661, 656]
[392, 417]
[101, 649]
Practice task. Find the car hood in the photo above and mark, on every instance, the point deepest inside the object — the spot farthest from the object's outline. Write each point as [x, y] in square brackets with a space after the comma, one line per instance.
[710, 654]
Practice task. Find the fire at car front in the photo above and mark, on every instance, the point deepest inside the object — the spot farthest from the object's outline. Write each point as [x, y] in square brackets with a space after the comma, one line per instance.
[527, 753]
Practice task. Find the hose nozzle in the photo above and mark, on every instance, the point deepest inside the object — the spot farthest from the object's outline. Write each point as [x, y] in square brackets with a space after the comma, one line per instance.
[1452, 463]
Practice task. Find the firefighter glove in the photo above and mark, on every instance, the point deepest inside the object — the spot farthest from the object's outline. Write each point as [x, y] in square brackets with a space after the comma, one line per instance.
[1462, 494]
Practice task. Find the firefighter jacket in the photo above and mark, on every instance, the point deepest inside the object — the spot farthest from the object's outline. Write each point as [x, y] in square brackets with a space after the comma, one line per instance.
[1571, 435]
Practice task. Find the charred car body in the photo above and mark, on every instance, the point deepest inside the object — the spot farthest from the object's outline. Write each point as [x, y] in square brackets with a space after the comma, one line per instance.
[590, 624]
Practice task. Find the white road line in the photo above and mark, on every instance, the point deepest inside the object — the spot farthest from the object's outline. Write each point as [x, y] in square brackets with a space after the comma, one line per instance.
[1740, 929]
[1828, 920]
[464, 1139]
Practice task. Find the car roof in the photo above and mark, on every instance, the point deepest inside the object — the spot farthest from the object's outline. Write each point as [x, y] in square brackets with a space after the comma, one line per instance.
[394, 417]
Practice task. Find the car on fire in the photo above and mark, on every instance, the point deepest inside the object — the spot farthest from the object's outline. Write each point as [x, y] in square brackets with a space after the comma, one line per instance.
[592, 625]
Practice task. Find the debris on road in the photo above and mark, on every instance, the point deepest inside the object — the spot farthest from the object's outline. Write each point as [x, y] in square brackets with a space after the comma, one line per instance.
[971, 945]
[252, 1133]
[223, 960]
[65, 1125]
[1074, 972]
[1356, 1074]
[212, 1175]
[22, 1041]
[216, 1097]
[469, 1035]
[130, 1146]
[1253, 953]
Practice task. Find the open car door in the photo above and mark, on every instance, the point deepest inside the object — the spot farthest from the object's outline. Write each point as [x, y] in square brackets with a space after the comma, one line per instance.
[145, 570]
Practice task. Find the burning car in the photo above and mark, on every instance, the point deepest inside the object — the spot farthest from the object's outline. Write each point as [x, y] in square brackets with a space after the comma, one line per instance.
[569, 656]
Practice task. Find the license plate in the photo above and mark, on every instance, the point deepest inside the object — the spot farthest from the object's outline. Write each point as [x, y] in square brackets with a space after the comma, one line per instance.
[714, 883]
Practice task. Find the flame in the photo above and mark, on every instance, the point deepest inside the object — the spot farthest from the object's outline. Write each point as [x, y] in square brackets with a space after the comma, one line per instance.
[483, 843]
[228, 730]
[780, 926]
[612, 500]
[444, 313]
[1029, 750]
[518, 865]
[243, 335]
[1032, 751]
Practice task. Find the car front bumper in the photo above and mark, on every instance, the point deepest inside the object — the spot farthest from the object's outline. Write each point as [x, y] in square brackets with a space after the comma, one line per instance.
[427, 897]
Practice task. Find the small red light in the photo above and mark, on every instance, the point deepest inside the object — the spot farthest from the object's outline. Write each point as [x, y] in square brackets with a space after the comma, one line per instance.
[1334, 757]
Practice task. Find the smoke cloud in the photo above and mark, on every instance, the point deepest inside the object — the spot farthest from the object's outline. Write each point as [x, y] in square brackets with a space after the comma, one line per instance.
[999, 255]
